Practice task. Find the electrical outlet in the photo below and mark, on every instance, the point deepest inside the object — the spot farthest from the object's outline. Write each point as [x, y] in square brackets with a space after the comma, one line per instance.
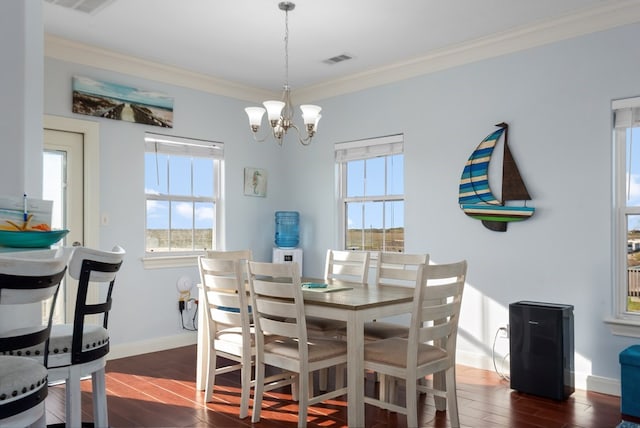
[504, 331]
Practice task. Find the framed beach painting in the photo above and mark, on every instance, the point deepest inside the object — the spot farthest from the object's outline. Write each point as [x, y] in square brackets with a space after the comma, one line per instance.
[114, 101]
[255, 182]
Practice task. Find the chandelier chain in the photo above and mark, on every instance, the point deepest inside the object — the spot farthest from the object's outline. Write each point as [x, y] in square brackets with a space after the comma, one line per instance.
[286, 48]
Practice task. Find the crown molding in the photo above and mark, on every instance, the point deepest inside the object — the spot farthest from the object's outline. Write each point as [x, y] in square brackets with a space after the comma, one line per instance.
[609, 15]
[79, 53]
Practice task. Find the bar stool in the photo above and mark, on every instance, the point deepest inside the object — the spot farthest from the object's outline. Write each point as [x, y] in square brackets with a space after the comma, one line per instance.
[26, 286]
[79, 349]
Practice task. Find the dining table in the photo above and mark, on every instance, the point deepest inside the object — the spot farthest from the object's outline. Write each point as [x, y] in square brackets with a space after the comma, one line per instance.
[353, 303]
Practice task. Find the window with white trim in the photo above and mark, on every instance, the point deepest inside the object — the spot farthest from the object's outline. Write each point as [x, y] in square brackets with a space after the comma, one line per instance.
[371, 193]
[626, 140]
[182, 190]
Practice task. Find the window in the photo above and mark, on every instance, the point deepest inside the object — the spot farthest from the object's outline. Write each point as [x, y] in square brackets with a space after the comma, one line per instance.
[371, 195]
[626, 143]
[182, 179]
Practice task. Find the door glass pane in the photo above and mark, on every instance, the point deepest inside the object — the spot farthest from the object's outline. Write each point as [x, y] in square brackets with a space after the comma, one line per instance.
[53, 173]
[52, 186]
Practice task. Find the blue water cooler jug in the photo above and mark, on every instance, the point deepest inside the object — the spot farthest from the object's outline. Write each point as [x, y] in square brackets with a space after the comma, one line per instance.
[287, 229]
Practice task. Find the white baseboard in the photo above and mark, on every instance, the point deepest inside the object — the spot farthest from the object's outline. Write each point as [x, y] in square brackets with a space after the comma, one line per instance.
[152, 345]
[584, 381]
[603, 385]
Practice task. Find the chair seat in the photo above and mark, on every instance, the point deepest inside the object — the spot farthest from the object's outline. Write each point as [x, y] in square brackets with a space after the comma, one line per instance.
[20, 377]
[379, 330]
[322, 324]
[393, 352]
[95, 336]
[319, 349]
[233, 336]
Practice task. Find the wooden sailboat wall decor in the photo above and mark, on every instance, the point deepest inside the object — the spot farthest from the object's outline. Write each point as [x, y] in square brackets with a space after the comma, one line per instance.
[475, 196]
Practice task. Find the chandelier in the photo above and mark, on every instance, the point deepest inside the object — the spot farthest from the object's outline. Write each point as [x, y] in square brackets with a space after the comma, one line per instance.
[280, 113]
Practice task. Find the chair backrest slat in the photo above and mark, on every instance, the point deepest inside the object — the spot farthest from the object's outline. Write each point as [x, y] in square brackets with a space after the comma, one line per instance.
[437, 305]
[276, 293]
[224, 291]
[400, 268]
[347, 265]
[241, 255]
[96, 269]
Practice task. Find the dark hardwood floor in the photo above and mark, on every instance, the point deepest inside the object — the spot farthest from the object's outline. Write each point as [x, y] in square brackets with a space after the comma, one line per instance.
[158, 390]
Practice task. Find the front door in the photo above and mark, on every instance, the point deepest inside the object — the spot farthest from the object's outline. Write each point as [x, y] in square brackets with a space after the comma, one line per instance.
[63, 184]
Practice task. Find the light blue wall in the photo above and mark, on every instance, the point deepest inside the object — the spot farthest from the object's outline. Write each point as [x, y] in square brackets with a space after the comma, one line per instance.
[146, 298]
[556, 99]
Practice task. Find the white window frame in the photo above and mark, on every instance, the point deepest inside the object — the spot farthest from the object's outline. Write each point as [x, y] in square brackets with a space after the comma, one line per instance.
[626, 114]
[361, 150]
[186, 147]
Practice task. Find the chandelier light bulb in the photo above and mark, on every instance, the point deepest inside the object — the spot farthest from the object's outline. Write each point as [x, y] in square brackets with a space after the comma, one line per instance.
[274, 108]
[255, 116]
[310, 113]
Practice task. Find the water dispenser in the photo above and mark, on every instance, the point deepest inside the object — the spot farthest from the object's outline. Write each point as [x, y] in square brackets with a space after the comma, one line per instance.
[287, 229]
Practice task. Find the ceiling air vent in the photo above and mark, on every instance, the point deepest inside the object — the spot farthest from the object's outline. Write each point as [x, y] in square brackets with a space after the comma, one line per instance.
[84, 6]
[337, 59]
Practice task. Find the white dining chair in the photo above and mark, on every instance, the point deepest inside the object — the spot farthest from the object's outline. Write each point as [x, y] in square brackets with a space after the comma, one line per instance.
[430, 347]
[347, 265]
[230, 332]
[343, 265]
[398, 269]
[27, 286]
[229, 329]
[278, 308]
[352, 266]
[80, 348]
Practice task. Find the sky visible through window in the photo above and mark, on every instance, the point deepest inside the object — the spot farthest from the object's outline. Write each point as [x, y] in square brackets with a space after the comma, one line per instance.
[633, 175]
[178, 184]
[372, 185]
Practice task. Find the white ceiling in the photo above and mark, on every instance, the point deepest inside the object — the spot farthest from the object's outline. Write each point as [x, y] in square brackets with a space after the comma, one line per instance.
[242, 41]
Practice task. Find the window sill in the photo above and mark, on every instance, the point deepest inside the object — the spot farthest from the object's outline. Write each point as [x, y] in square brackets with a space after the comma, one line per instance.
[170, 261]
[624, 327]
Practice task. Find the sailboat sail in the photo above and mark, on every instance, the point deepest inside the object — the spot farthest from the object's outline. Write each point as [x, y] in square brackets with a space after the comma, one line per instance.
[475, 196]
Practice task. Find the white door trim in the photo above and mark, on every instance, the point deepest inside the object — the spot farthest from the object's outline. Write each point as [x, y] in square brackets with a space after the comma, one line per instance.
[91, 132]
